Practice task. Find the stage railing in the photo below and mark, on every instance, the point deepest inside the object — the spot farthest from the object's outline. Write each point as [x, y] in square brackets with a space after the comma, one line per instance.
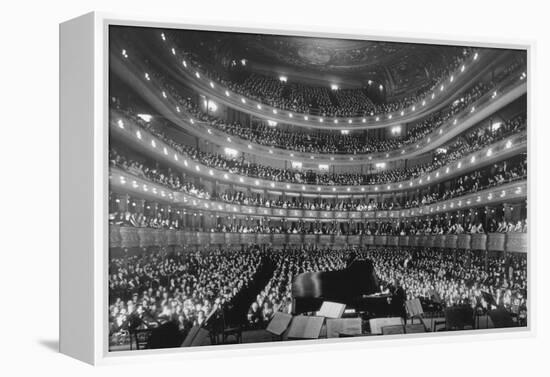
[129, 237]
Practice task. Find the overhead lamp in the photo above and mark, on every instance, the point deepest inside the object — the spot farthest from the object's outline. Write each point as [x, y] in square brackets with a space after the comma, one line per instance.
[230, 152]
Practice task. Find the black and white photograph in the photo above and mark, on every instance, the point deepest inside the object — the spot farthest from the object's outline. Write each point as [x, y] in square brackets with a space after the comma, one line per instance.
[286, 187]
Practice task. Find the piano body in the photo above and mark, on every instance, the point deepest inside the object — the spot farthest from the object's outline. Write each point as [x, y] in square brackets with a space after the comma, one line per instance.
[355, 286]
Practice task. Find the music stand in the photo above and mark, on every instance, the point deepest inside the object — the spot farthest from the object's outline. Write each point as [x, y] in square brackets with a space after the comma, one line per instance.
[279, 324]
[414, 309]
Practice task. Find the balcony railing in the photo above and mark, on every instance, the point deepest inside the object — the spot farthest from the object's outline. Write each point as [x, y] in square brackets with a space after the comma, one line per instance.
[129, 237]
[124, 182]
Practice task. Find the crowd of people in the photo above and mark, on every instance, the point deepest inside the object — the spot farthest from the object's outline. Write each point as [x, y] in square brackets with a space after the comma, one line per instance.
[469, 142]
[451, 279]
[297, 97]
[460, 224]
[497, 174]
[149, 289]
[332, 141]
[166, 177]
[152, 288]
[456, 279]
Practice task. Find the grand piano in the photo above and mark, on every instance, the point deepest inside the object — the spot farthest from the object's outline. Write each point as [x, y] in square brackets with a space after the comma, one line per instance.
[356, 286]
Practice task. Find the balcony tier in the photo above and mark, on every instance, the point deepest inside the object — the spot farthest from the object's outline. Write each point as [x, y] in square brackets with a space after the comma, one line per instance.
[131, 133]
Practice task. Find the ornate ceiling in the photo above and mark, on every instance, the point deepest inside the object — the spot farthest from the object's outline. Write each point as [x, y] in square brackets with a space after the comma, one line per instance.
[400, 67]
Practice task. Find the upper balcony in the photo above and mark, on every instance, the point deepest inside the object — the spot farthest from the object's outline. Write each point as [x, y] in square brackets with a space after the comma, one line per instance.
[161, 98]
[474, 67]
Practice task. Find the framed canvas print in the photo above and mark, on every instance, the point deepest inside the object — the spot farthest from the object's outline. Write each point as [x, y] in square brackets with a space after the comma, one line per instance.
[246, 187]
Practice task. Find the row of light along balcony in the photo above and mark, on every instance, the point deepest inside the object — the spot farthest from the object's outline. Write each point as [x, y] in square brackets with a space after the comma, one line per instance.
[505, 93]
[126, 183]
[131, 133]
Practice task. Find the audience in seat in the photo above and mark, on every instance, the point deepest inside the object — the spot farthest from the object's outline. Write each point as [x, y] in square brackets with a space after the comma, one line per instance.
[494, 175]
[156, 287]
[297, 97]
[470, 142]
[148, 289]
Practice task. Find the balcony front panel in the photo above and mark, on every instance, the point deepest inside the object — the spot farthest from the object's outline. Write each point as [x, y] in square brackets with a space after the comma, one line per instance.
[124, 182]
[127, 237]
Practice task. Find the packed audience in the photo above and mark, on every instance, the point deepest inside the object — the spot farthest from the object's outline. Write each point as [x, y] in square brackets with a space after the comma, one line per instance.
[497, 174]
[323, 101]
[471, 141]
[456, 279]
[157, 287]
[332, 141]
[166, 177]
[428, 274]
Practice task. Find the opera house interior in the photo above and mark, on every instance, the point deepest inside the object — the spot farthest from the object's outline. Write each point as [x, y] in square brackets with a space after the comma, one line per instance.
[268, 188]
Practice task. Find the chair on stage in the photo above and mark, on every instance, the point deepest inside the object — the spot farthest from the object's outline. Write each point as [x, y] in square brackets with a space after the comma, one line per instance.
[231, 330]
[140, 338]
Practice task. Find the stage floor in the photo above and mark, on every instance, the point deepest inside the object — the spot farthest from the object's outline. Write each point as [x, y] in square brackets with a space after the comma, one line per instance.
[262, 336]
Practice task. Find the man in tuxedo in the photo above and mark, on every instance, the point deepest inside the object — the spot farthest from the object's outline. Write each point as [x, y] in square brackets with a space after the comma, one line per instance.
[399, 296]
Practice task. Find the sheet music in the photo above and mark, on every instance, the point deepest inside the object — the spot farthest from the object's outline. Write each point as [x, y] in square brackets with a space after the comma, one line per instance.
[414, 307]
[331, 310]
[303, 327]
[279, 323]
